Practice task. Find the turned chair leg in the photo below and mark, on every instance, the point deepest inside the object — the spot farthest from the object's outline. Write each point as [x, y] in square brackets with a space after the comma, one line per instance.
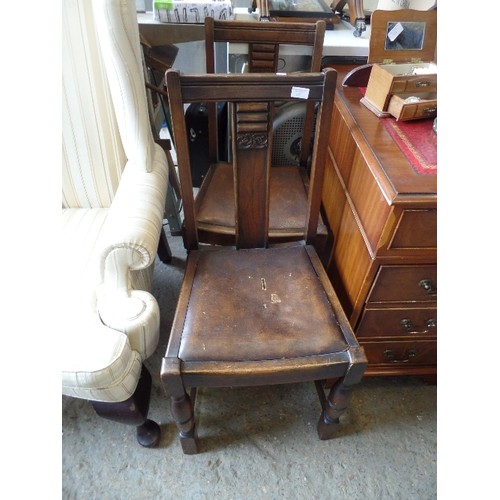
[340, 394]
[134, 411]
[181, 404]
[333, 406]
[183, 414]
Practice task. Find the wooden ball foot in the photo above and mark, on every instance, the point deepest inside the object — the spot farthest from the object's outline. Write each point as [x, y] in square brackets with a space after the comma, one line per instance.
[148, 434]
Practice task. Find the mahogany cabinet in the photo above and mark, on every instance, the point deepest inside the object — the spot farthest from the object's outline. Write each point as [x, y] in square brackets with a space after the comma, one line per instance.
[383, 216]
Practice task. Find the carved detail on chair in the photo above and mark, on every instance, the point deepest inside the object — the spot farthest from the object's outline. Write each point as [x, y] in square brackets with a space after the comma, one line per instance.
[252, 140]
[252, 131]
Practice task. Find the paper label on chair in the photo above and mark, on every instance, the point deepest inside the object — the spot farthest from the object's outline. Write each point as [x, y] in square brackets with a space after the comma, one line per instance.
[300, 92]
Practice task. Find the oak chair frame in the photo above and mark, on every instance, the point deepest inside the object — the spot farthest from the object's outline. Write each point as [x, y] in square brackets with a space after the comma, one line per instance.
[222, 334]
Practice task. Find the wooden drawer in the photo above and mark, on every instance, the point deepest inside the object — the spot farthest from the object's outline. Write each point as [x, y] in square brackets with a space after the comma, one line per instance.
[401, 353]
[389, 79]
[415, 229]
[412, 283]
[398, 322]
[402, 110]
[409, 84]
[421, 83]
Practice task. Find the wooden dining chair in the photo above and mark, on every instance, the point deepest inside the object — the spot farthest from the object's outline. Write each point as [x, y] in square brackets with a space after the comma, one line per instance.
[257, 313]
[289, 178]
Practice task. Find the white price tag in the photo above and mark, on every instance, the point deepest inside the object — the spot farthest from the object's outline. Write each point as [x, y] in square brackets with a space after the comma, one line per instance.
[395, 32]
[300, 92]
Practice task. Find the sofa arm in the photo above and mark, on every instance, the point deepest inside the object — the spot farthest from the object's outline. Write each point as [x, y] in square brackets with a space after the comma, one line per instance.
[137, 315]
[129, 242]
[135, 218]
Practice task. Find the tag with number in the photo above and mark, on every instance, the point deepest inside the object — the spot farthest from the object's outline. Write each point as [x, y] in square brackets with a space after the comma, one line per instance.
[300, 92]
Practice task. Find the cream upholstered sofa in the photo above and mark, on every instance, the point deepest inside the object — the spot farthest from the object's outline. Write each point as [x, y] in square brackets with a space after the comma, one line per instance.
[114, 184]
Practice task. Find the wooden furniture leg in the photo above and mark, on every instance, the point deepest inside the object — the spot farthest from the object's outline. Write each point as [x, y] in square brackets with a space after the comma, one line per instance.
[337, 401]
[134, 411]
[183, 414]
[356, 14]
[335, 405]
[181, 405]
[164, 251]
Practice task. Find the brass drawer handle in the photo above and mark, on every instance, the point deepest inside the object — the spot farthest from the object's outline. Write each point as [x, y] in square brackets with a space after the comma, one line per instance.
[408, 326]
[389, 355]
[423, 84]
[428, 287]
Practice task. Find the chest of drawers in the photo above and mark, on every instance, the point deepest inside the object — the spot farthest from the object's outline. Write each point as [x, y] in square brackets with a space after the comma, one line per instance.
[383, 216]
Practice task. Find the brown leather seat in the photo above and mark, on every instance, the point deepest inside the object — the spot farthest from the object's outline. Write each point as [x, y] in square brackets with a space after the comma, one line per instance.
[256, 313]
[287, 211]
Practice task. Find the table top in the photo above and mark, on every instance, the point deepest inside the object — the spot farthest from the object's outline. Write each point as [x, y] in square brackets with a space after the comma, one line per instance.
[338, 42]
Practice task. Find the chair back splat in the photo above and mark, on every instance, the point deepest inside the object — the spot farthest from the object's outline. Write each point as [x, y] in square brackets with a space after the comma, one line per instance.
[258, 312]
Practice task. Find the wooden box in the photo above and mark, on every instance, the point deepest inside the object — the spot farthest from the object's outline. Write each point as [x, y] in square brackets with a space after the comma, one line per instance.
[403, 78]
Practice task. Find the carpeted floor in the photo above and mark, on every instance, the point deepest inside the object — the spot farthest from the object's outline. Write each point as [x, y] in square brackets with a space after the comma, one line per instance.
[257, 443]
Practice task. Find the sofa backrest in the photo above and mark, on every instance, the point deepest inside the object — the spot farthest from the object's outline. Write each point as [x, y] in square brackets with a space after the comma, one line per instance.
[93, 156]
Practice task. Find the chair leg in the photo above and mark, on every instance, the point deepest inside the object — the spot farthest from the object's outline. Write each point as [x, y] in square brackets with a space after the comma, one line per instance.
[181, 405]
[183, 414]
[333, 407]
[134, 411]
[164, 251]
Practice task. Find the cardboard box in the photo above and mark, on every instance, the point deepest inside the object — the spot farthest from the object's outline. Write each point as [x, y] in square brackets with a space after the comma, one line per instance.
[191, 12]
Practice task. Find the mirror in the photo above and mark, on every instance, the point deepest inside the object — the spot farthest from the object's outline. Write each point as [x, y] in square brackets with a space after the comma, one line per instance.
[405, 36]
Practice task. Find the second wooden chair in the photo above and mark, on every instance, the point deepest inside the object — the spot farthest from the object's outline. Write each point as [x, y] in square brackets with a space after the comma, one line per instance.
[288, 182]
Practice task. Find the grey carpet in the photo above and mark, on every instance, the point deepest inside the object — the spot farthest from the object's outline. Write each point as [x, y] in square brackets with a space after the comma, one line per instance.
[257, 443]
